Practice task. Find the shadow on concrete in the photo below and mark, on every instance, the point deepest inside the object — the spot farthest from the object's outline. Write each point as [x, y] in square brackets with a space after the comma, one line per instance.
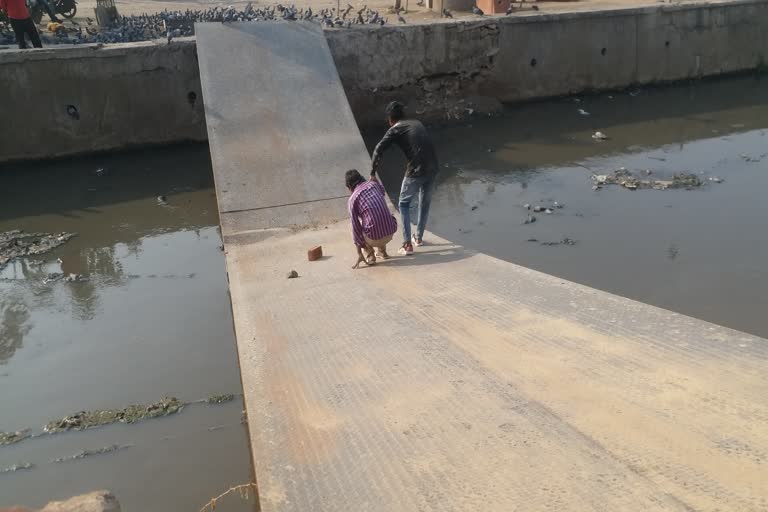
[424, 257]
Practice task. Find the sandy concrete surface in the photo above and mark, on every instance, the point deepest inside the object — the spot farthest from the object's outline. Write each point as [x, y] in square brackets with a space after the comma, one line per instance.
[449, 380]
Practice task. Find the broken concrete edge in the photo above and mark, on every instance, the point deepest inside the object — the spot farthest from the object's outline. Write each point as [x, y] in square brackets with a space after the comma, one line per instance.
[96, 501]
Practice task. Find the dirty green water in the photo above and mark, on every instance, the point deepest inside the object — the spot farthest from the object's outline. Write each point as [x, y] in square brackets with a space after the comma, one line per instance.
[700, 252]
[152, 320]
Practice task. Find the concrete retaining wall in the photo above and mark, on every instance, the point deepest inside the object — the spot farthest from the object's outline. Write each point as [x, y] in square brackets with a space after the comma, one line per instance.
[149, 93]
[127, 94]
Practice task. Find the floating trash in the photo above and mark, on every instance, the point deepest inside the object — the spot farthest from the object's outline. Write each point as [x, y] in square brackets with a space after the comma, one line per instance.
[18, 244]
[21, 466]
[220, 399]
[13, 437]
[626, 179]
[131, 414]
[89, 453]
[599, 136]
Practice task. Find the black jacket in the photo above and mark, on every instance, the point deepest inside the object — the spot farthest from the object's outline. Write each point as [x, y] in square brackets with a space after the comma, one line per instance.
[415, 142]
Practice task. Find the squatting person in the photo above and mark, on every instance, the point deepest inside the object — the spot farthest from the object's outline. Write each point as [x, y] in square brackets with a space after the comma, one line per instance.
[373, 225]
[21, 22]
[420, 171]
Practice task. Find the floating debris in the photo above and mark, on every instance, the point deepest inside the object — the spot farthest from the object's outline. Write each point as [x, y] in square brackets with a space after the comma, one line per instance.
[21, 466]
[13, 437]
[583, 112]
[17, 244]
[715, 179]
[530, 219]
[131, 414]
[88, 453]
[626, 179]
[599, 136]
[564, 241]
[69, 278]
[220, 399]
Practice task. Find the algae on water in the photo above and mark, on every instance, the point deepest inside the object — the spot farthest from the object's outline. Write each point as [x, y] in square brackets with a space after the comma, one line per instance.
[13, 437]
[88, 453]
[220, 399]
[21, 466]
[131, 414]
[17, 244]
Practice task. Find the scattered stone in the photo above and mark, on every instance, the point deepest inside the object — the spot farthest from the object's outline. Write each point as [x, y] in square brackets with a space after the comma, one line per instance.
[549, 211]
[162, 200]
[17, 244]
[599, 136]
[532, 240]
[293, 274]
[99, 171]
[474, 208]
[557, 205]
[21, 466]
[13, 437]
[220, 399]
[538, 209]
[715, 179]
[131, 414]
[583, 112]
[530, 219]
[88, 453]
[527, 206]
[76, 278]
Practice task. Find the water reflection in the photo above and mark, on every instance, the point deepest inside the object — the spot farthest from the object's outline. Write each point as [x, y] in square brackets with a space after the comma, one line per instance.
[150, 319]
[14, 323]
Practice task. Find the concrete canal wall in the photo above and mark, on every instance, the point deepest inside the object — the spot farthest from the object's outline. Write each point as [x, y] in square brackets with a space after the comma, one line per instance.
[149, 93]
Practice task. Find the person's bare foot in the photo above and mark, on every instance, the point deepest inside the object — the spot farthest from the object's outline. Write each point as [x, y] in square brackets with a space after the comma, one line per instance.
[370, 257]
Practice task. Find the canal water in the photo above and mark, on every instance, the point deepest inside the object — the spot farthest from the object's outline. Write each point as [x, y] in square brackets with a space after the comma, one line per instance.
[701, 252]
[153, 318]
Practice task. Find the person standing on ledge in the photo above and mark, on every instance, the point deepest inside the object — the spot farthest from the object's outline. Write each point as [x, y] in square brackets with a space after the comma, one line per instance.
[373, 225]
[21, 22]
[420, 171]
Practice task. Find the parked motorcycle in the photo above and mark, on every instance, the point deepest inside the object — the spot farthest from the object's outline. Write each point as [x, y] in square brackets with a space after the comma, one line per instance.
[67, 8]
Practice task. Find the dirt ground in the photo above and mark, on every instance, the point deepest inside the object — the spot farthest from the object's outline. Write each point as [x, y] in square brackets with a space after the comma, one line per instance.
[414, 14]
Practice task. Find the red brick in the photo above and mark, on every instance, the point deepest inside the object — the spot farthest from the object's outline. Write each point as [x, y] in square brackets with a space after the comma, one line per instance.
[315, 253]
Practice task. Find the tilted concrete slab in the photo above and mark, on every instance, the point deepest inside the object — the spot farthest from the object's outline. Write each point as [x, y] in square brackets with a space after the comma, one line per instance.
[450, 380]
[280, 128]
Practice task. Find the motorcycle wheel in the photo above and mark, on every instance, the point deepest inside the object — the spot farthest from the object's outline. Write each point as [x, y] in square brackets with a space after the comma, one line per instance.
[70, 13]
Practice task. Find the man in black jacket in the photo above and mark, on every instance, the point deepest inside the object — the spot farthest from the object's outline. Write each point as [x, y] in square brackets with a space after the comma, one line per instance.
[420, 171]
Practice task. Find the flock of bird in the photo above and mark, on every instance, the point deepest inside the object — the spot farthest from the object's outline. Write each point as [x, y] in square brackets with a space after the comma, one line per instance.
[172, 24]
